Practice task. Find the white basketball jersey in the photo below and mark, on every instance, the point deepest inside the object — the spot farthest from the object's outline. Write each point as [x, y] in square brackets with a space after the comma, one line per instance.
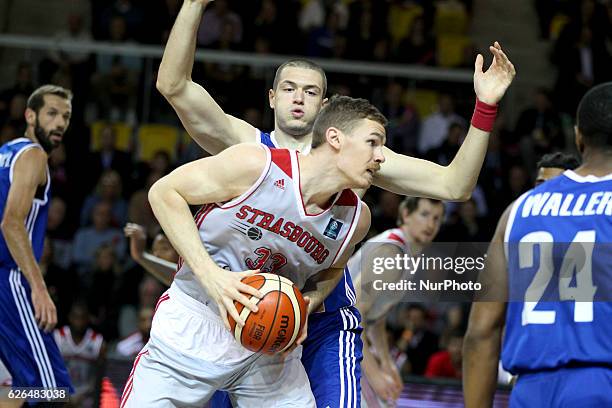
[383, 301]
[80, 358]
[268, 228]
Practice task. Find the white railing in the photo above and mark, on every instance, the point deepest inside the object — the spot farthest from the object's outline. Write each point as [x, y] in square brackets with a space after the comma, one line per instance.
[241, 58]
[151, 53]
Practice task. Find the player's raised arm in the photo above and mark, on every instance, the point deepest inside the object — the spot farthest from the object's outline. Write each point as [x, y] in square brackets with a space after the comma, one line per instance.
[211, 180]
[482, 343]
[411, 176]
[201, 116]
[161, 269]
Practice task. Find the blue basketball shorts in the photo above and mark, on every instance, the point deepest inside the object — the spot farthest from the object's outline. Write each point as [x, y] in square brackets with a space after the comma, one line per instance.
[584, 387]
[332, 357]
[30, 355]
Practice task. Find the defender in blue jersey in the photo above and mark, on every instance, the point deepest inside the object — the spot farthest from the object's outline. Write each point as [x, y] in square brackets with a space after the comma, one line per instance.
[27, 313]
[555, 241]
[332, 351]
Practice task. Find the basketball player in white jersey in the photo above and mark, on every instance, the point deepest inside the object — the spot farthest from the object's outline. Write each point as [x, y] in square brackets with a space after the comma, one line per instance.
[269, 210]
[419, 221]
[297, 96]
[83, 351]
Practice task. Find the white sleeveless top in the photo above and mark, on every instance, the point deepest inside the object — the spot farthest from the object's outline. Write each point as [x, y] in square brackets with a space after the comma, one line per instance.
[80, 358]
[268, 228]
[386, 300]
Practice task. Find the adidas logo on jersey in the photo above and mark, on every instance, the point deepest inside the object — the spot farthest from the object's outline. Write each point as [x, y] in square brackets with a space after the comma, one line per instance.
[280, 183]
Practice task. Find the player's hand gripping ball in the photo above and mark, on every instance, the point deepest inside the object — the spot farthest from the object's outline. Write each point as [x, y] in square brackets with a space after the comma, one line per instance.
[279, 320]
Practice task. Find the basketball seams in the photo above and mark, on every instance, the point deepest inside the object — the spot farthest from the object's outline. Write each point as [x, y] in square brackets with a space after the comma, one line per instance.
[295, 304]
[275, 314]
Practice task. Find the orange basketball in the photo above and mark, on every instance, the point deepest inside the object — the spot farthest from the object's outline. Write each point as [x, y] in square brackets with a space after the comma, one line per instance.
[279, 320]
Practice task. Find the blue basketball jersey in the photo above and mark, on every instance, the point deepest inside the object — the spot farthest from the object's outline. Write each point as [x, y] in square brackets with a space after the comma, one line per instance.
[343, 294]
[558, 245]
[36, 222]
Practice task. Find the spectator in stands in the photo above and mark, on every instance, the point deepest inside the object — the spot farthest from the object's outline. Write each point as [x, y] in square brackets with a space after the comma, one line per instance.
[77, 63]
[467, 225]
[139, 209]
[418, 47]
[108, 190]
[384, 213]
[88, 239]
[581, 55]
[417, 341]
[518, 181]
[322, 39]
[14, 115]
[128, 12]
[444, 154]
[266, 26]
[539, 128]
[83, 351]
[24, 85]
[59, 234]
[311, 16]
[59, 173]
[447, 363]
[214, 22]
[365, 27]
[435, 127]
[403, 127]
[62, 283]
[100, 281]
[132, 344]
[109, 157]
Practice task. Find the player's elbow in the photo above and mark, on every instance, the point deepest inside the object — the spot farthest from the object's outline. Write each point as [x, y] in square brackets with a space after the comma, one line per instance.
[7, 225]
[169, 87]
[476, 337]
[156, 194]
[455, 192]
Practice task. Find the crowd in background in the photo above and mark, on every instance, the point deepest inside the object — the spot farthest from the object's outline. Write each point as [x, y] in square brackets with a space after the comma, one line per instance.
[96, 192]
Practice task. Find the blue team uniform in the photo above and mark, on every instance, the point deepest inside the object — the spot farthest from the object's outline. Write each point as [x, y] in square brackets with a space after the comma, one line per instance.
[561, 350]
[332, 352]
[30, 355]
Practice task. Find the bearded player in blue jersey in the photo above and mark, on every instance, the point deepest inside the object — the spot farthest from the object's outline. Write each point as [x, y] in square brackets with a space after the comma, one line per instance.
[332, 350]
[554, 242]
[27, 313]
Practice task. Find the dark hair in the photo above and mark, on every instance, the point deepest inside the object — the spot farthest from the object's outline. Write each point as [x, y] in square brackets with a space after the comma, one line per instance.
[37, 98]
[594, 117]
[300, 63]
[558, 160]
[410, 204]
[343, 112]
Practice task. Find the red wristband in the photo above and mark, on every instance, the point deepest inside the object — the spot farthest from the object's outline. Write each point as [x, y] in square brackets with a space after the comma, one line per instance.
[484, 116]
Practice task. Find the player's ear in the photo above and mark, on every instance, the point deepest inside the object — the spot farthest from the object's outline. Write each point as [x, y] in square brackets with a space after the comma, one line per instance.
[324, 102]
[333, 137]
[271, 96]
[30, 117]
[578, 140]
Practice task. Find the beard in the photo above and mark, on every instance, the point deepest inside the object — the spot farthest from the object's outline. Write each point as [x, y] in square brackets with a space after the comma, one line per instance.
[43, 138]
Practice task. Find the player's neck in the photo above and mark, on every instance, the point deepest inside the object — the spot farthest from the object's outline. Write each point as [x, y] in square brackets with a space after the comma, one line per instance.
[596, 163]
[286, 141]
[29, 134]
[319, 182]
